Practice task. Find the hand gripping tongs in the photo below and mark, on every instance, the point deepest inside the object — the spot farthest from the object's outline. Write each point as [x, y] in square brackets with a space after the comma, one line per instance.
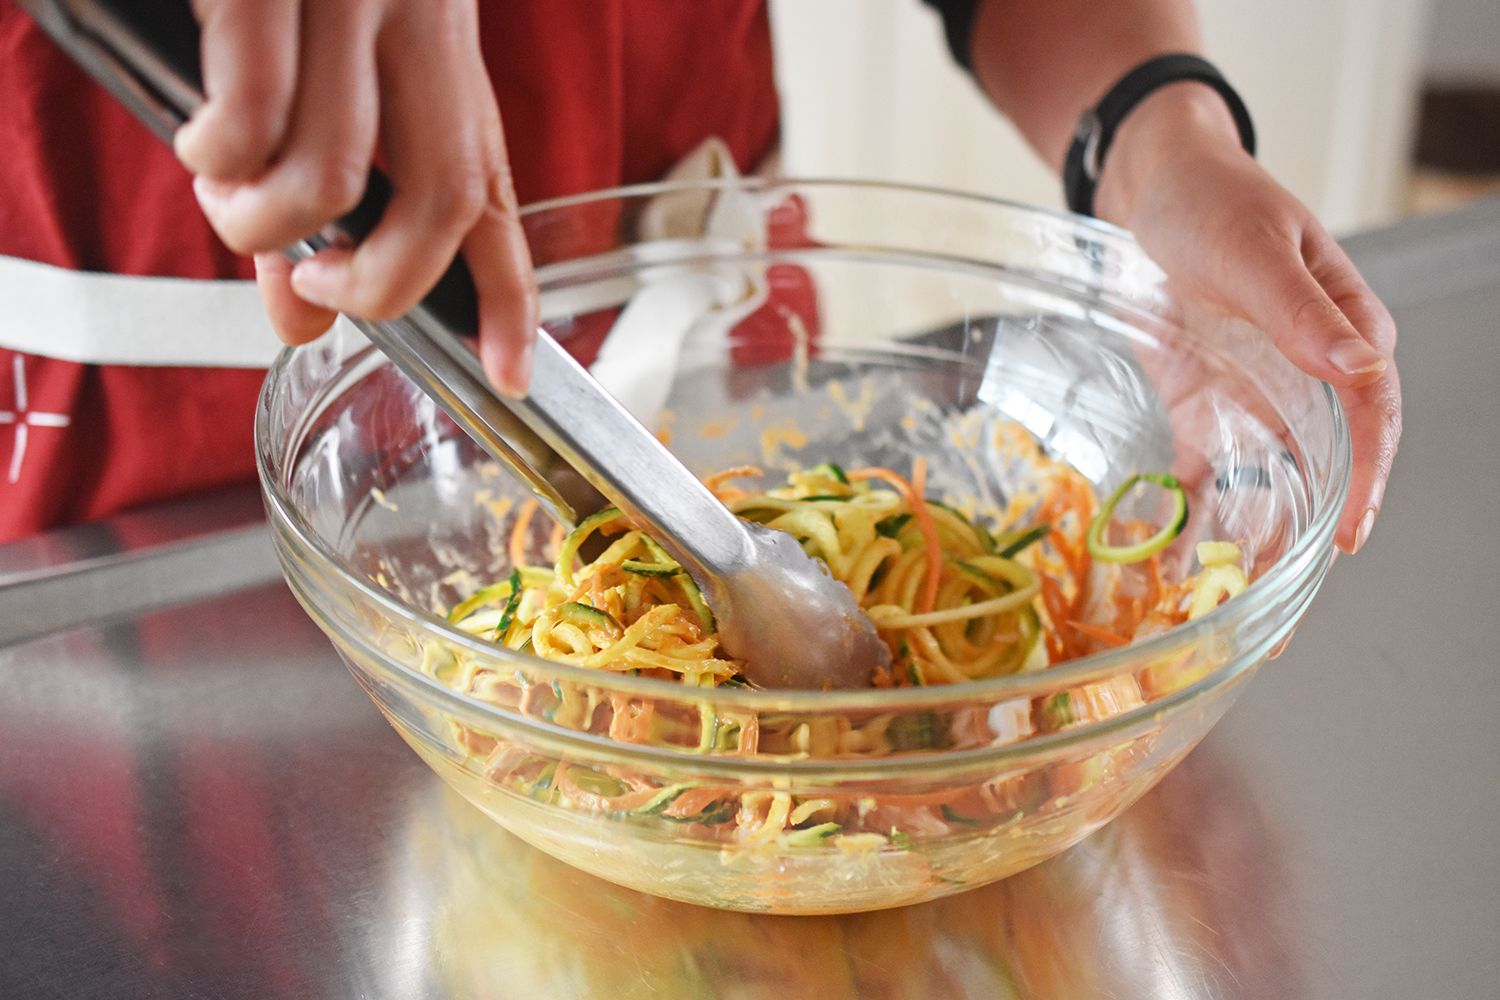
[575, 447]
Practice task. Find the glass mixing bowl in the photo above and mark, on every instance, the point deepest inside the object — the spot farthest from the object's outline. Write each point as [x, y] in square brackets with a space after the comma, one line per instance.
[785, 324]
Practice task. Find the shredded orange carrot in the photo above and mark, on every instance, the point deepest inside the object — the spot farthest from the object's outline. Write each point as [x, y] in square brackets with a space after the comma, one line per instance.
[631, 721]
[1058, 609]
[1080, 609]
[596, 590]
[562, 780]
[1104, 635]
[694, 800]
[714, 481]
[929, 534]
[521, 529]
[750, 735]
[1131, 610]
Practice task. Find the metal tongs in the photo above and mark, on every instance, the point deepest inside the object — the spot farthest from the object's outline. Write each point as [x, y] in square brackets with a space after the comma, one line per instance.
[575, 447]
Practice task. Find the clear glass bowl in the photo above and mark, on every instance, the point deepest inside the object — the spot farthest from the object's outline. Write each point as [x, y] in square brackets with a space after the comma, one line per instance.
[786, 324]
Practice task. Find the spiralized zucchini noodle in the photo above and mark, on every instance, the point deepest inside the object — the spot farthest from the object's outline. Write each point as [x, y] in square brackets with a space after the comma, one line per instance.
[956, 600]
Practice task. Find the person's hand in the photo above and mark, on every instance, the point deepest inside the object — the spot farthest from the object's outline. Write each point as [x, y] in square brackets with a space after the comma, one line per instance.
[1235, 242]
[303, 95]
[1231, 240]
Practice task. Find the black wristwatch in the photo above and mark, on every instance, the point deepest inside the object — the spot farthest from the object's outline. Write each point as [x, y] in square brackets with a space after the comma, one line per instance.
[1096, 129]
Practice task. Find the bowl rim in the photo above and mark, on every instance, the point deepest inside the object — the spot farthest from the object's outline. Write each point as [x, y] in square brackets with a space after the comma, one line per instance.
[757, 182]
[1314, 544]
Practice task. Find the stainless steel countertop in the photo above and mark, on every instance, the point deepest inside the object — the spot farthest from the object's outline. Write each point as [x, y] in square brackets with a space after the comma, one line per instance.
[196, 800]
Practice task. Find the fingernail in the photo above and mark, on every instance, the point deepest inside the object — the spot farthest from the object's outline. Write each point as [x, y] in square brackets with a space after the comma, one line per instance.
[1355, 357]
[318, 281]
[516, 378]
[1362, 533]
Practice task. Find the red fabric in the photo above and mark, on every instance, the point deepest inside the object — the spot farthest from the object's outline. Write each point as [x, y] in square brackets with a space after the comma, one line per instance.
[592, 96]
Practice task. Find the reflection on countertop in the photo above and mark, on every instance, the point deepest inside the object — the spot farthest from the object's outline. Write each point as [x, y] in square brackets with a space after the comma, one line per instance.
[1183, 896]
[201, 796]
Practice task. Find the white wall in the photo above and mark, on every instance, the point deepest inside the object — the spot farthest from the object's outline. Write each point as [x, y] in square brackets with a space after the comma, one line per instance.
[869, 91]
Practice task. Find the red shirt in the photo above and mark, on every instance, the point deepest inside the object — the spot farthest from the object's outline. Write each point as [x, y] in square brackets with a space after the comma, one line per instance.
[592, 95]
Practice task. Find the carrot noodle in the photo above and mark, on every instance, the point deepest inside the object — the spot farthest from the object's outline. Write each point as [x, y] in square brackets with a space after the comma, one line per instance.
[917, 491]
[948, 607]
[951, 602]
[630, 722]
[1104, 635]
[716, 481]
[521, 530]
[695, 800]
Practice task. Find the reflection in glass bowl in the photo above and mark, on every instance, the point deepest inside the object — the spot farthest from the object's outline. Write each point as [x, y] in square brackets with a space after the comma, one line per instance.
[788, 324]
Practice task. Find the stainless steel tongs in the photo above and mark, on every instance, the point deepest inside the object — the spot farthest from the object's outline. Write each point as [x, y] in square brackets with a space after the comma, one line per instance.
[575, 447]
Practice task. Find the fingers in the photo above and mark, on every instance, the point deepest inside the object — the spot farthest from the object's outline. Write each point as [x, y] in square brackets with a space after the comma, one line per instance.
[445, 152]
[298, 92]
[319, 170]
[1306, 294]
[1236, 242]
[249, 59]
[1297, 285]
[1369, 390]
[440, 137]
[471, 197]
[295, 320]
[1374, 412]
[508, 301]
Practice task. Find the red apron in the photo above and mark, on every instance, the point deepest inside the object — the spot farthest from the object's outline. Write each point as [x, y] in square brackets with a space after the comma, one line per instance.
[592, 95]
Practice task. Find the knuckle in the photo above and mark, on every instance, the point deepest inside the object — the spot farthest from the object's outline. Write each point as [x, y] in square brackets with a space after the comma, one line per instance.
[333, 186]
[1314, 314]
[256, 123]
[501, 187]
[461, 198]
[380, 303]
[385, 283]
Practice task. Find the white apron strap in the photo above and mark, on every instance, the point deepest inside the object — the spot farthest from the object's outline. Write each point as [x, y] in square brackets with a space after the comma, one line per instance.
[110, 319]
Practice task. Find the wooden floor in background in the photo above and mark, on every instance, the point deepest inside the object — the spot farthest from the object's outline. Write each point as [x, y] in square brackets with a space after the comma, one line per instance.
[1456, 158]
[1431, 190]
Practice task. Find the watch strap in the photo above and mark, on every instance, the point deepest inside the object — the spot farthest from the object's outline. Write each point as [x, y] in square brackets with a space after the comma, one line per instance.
[1096, 128]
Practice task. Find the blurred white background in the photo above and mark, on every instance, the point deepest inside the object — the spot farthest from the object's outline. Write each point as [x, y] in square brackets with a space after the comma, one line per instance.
[869, 91]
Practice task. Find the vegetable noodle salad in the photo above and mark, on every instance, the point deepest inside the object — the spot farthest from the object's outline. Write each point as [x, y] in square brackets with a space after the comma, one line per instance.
[1058, 577]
